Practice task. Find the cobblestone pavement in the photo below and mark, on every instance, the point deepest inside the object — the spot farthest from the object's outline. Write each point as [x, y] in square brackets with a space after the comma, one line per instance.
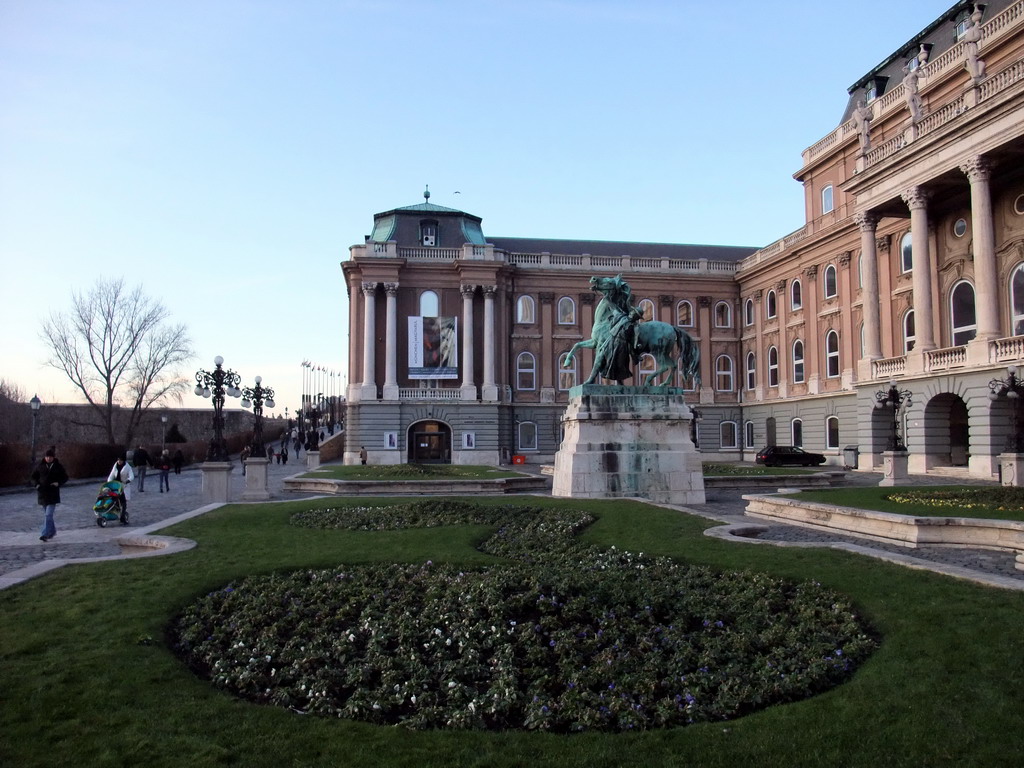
[78, 536]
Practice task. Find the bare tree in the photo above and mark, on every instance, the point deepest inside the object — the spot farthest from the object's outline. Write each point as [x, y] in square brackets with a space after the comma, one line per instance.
[14, 412]
[117, 348]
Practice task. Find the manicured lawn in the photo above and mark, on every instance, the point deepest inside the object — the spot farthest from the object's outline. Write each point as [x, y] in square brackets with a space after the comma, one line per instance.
[985, 502]
[88, 679]
[412, 472]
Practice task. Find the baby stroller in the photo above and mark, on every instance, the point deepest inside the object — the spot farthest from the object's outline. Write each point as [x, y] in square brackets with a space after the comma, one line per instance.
[110, 504]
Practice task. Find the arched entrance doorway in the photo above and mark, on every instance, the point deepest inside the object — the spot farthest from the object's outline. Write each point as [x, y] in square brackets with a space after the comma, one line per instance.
[946, 431]
[430, 442]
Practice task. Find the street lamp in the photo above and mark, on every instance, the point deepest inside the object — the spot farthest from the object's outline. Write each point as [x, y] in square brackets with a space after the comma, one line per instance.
[217, 384]
[36, 404]
[163, 433]
[256, 397]
[897, 399]
[1012, 389]
[313, 434]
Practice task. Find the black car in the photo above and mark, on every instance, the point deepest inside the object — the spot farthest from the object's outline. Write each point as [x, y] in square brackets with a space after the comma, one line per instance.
[787, 455]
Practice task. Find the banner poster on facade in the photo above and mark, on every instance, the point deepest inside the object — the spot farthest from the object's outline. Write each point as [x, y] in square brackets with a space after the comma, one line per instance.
[433, 348]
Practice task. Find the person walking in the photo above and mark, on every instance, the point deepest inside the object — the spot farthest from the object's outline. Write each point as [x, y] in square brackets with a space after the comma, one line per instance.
[244, 457]
[179, 459]
[164, 465]
[48, 477]
[141, 461]
[362, 454]
[122, 473]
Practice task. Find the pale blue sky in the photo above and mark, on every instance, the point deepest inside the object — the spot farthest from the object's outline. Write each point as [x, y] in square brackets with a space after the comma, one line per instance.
[225, 154]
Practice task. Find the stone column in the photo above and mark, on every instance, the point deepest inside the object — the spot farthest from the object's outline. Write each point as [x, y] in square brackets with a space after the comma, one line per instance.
[978, 171]
[870, 300]
[916, 199]
[368, 390]
[391, 343]
[489, 390]
[468, 385]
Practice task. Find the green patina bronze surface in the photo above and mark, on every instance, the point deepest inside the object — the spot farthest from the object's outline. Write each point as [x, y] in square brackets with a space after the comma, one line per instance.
[619, 339]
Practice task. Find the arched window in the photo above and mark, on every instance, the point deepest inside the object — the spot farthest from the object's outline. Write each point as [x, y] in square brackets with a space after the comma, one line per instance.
[830, 284]
[723, 315]
[748, 312]
[684, 314]
[429, 305]
[526, 371]
[832, 432]
[646, 366]
[566, 376]
[963, 316]
[798, 362]
[1017, 299]
[907, 253]
[647, 307]
[909, 333]
[826, 199]
[525, 311]
[428, 233]
[751, 370]
[723, 373]
[796, 432]
[527, 436]
[796, 299]
[831, 354]
[771, 305]
[566, 311]
[773, 367]
[727, 434]
[748, 434]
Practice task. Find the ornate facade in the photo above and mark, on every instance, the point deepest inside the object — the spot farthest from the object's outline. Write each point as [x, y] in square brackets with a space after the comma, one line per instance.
[910, 267]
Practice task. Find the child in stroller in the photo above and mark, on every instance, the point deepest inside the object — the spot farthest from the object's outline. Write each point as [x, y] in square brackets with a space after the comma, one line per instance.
[110, 504]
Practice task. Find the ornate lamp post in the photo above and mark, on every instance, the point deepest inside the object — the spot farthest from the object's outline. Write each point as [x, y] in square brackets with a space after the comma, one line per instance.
[163, 433]
[36, 404]
[217, 384]
[897, 399]
[313, 433]
[256, 397]
[1013, 390]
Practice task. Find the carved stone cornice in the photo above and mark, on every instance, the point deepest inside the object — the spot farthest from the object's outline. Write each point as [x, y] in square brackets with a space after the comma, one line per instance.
[665, 300]
[467, 291]
[489, 291]
[587, 298]
[369, 289]
[882, 243]
[811, 271]
[704, 301]
[391, 289]
[844, 258]
[546, 298]
[758, 294]
[916, 198]
[977, 169]
[780, 286]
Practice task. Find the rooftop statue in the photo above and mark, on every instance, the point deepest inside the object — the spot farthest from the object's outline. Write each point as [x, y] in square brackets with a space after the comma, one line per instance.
[620, 339]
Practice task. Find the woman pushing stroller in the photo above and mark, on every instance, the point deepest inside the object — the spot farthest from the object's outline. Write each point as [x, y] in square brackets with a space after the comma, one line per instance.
[122, 473]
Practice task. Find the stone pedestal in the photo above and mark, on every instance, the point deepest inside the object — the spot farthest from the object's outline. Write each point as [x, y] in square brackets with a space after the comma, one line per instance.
[216, 482]
[1011, 468]
[894, 468]
[256, 479]
[628, 442]
[312, 459]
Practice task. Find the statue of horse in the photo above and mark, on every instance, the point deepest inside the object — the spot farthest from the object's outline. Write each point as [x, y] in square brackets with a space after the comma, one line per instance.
[618, 338]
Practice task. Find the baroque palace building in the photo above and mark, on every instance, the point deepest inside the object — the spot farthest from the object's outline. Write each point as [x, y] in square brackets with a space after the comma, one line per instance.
[909, 269]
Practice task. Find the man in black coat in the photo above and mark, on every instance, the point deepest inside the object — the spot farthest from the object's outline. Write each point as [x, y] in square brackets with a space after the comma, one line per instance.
[48, 477]
[140, 460]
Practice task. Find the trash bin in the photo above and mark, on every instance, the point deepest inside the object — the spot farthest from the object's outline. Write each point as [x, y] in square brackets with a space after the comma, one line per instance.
[850, 454]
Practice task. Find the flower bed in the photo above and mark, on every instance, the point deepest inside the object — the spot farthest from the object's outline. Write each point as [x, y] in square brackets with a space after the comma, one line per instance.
[564, 638]
[962, 501]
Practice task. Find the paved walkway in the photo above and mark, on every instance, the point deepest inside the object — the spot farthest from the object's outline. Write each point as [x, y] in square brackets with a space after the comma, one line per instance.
[23, 555]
